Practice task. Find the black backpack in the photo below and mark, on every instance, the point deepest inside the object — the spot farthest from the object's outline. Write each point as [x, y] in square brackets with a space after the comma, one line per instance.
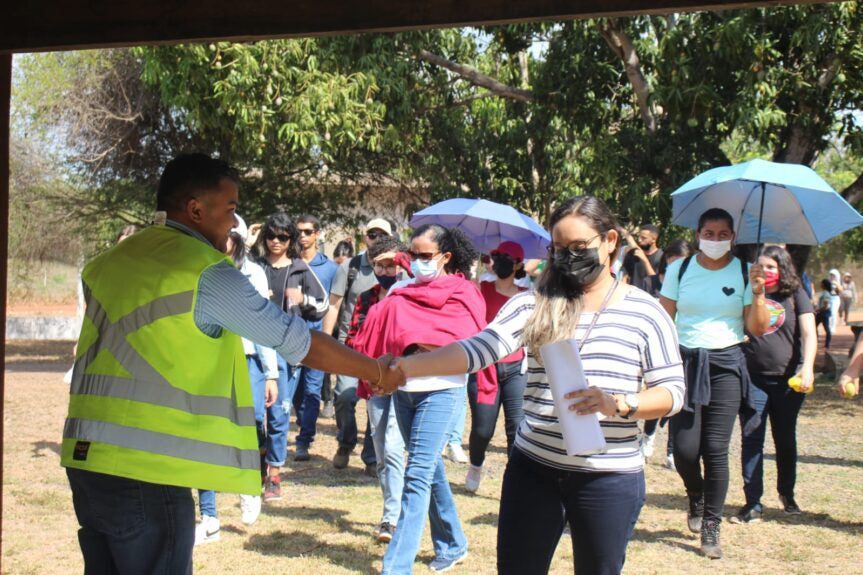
[353, 271]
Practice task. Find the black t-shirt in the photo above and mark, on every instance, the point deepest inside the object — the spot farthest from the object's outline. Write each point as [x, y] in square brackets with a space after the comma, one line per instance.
[779, 352]
[634, 267]
[276, 279]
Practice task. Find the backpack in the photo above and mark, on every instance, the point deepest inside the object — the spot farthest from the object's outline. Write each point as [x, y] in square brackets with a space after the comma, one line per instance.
[353, 271]
[743, 269]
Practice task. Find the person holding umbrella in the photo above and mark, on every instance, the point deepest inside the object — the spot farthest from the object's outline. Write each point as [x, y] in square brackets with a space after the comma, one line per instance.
[714, 298]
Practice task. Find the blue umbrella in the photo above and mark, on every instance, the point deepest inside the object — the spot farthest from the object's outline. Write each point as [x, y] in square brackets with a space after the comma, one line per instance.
[770, 202]
[487, 224]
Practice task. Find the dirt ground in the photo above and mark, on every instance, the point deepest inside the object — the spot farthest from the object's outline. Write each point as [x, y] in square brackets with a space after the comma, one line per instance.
[323, 525]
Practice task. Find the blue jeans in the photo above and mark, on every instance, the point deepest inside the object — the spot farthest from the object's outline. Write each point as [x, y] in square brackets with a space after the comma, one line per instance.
[389, 452]
[456, 434]
[207, 502]
[774, 399]
[536, 500]
[425, 420]
[132, 527]
[278, 416]
[307, 403]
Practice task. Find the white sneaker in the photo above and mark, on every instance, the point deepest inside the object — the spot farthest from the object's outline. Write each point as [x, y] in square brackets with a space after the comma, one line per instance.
[250, 507]
[207, 530]
[473, 478]
[457, 454]
[647, 445]
[669, 463]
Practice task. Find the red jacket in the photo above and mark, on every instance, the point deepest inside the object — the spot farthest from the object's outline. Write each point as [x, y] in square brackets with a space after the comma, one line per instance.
[435, 313]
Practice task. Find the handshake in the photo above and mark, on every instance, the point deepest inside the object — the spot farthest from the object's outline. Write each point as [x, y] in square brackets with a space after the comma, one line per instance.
[391, 375]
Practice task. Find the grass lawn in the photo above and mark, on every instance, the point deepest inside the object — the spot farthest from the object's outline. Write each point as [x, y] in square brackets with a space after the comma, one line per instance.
[323, 525]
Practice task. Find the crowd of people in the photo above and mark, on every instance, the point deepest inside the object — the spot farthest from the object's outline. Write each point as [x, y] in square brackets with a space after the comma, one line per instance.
[423, 327]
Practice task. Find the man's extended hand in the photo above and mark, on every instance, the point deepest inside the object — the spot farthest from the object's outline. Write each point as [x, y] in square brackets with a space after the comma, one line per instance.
[271, 392]
[391, 378]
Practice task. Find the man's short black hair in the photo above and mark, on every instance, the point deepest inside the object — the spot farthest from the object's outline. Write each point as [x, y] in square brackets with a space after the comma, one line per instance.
[310, 219]
[650, 228]
[188, 175]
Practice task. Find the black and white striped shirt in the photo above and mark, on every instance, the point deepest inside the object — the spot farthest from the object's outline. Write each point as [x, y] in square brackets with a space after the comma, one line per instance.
[633, 344]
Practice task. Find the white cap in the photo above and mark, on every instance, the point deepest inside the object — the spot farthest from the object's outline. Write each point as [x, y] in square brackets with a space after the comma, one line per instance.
[240, 228]
[379, 224]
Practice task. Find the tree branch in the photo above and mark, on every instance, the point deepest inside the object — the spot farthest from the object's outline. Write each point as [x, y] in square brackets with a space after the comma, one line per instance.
[477, 78]
[623, 48]
[854, 192]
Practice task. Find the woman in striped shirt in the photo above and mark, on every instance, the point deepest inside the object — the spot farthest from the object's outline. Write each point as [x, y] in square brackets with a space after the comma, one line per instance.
[632, 364]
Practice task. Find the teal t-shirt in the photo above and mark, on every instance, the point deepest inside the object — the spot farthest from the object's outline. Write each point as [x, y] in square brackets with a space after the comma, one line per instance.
[709, 303]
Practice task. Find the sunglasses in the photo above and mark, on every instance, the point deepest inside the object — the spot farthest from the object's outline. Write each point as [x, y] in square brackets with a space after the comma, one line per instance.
[284, 238]
[376, 235]
[307, 232]
[422, 256]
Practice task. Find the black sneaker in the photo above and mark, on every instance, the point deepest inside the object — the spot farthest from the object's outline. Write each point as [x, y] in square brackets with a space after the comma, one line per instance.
[696, 512]
[385, 531]
[302, 453]
[748, 514]
[789, 505]
[710, 539]
[342, 457]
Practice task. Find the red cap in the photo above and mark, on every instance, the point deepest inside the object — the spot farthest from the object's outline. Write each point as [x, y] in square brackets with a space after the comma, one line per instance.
[510, 249]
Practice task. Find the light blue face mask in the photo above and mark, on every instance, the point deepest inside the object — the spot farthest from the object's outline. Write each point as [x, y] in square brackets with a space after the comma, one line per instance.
[425, 272]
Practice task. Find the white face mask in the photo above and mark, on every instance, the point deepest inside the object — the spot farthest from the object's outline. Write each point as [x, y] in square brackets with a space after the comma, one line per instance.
[714, 250]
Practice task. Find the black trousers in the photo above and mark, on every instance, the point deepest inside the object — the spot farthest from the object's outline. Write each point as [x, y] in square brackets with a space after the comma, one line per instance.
[704, 436]
[510, 394]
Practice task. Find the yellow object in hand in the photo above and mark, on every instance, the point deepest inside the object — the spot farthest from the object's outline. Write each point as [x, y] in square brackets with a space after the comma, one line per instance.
[795, 384]
[850, 390]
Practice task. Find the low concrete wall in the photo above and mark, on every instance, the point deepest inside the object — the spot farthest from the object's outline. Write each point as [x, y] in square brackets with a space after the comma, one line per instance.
[36, 327]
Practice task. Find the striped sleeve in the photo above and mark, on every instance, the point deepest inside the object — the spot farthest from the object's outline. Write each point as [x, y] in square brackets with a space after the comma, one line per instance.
[660, 354]
[502, 336]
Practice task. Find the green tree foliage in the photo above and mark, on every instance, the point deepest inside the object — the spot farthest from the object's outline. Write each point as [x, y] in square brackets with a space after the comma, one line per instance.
[624, 108]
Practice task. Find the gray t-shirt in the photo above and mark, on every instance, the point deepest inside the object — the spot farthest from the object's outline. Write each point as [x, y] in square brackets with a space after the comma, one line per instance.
[365, 279]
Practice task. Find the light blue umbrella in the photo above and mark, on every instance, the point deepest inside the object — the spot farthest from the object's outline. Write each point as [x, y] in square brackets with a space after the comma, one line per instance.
[487, 224]
[770, 202]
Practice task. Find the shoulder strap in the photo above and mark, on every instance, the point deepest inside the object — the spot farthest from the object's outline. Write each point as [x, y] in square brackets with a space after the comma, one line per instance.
[744, 269]
[353, 271]
[683, 267]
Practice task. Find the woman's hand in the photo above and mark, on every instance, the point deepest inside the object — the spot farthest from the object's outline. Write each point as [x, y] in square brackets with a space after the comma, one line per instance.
[592, 400]
[271, 392]
[807, 379]
[756, 279]
[294, 296]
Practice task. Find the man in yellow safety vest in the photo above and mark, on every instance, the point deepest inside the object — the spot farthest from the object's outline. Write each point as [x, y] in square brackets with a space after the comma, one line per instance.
[160, 397]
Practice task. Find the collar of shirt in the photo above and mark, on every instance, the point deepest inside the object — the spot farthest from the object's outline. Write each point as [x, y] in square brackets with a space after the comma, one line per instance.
[188, 231]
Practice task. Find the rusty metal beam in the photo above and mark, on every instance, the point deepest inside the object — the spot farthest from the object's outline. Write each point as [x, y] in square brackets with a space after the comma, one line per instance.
[39, 25]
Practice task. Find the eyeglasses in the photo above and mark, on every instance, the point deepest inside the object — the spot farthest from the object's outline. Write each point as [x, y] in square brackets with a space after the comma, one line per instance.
[307, 232]
[576, 246]
[376, 235]
[390, 270]
[284, 238]
[423, 256]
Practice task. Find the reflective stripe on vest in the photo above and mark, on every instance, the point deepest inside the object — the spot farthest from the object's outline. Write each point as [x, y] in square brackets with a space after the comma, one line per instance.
[161, 443]
[150, 386]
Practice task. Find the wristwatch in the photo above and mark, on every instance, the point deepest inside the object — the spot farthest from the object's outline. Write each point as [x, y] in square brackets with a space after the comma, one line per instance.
[631, 401]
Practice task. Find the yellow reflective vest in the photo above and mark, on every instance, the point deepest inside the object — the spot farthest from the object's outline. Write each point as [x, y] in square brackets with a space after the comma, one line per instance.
[153, 398]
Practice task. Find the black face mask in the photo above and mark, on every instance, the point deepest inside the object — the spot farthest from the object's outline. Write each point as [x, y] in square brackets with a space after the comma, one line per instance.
[578, 270]
[503, 267]
[386, 281]
[645, 247]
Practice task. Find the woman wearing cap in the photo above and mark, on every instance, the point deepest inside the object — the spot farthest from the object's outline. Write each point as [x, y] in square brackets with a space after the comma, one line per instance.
[508, 265]
[630, 358]
[437, 307]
